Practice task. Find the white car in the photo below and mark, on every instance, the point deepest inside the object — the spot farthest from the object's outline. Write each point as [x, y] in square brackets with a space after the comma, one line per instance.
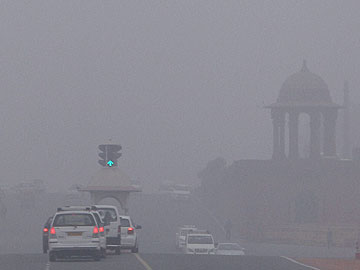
[229, 249]
[182, 233]
[199, 244]
[110, 216]
[128, 234]
[176, 191]
[74, 233]
[99, 221]
[181, 192]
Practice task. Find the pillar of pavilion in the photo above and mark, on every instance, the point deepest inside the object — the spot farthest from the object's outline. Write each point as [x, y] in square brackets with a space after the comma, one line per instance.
[304, 93]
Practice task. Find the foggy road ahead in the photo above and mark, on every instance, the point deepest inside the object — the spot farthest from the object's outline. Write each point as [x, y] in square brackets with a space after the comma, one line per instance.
[151, 262]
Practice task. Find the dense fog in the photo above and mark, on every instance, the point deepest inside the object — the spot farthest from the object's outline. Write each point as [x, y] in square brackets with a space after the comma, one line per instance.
[239, 117]
[177, 83]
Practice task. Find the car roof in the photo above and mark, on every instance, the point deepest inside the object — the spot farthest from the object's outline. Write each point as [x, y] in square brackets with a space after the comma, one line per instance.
[74, 208]
[105, 206]
[187, 227]
[74, 212]
[200, 234]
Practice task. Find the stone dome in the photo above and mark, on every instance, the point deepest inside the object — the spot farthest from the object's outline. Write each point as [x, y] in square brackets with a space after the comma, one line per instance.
[304, 88]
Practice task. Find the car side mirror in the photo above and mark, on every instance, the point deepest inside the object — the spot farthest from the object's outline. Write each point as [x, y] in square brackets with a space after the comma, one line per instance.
[138, 227]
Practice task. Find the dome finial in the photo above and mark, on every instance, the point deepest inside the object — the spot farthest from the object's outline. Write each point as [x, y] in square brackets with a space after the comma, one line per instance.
[304, 66]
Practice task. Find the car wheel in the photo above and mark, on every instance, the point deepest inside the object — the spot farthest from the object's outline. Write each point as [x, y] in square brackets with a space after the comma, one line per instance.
[103, 253]
[52, 257]
[117, 251]
[97, 258]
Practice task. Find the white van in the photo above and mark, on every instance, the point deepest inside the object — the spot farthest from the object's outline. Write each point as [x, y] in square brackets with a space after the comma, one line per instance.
[74, 233]
[99, 221]
[110, 216]
[200, 243]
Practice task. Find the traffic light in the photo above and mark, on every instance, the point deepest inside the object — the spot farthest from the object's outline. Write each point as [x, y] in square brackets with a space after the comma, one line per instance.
[113, 154]
[109, 154]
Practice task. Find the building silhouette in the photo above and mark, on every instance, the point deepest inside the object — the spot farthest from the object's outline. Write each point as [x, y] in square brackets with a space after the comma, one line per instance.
[291, 189]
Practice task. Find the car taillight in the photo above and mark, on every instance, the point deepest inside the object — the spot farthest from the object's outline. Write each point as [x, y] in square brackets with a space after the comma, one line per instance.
[95, 232]
[53, 233]
[130, 230]
[101, 229]
[46, 230]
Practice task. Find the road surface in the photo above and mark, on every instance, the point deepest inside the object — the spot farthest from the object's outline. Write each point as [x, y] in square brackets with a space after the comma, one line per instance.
[151, 262]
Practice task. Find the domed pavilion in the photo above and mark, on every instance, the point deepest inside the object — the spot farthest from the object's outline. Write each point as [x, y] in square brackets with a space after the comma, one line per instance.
[111, 183]
[304, 92]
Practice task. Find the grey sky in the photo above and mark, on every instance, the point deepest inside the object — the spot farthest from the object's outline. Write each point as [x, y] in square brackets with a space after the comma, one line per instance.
[177, 83]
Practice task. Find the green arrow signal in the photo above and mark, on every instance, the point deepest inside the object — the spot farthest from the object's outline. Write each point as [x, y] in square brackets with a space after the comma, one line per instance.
[110, 163]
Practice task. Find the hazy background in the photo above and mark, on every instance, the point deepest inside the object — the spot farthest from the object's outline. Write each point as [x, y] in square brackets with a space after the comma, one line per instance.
[176, 83]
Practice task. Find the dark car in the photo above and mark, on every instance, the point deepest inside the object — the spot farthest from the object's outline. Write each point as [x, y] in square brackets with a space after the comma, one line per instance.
[46, 235]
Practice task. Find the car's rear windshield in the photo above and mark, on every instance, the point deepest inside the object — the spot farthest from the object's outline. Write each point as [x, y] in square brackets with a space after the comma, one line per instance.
[97, 217]
[73, 219]
[200, 239]
[124, 222]
[229, 247]
[107, 214]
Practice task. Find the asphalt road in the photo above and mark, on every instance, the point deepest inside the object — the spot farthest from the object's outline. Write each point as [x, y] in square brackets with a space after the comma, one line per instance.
[160, 216]
[151, 262]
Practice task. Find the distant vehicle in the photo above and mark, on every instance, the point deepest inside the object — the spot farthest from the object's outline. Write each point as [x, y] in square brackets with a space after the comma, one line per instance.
[176, 191]
[45, 235]
[110, 216]
[128, 234]
[181, 192]
[99, 221]
[199, 231]
[229, 249]
[74, 233]
[182, 233]
[199, 244]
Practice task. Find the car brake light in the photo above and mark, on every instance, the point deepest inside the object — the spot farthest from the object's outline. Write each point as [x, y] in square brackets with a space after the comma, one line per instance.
[53, 233]
[130, 230]
[46, 229]
[95, 232]
[101, 229]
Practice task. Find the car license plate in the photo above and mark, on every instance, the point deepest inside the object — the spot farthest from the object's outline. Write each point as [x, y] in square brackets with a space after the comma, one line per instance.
[74, 233]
